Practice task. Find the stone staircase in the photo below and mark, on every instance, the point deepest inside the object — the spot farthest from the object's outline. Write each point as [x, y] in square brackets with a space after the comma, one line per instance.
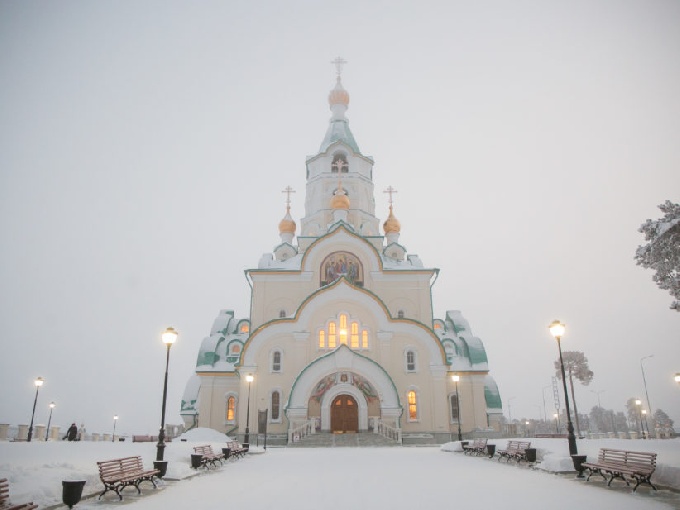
[351, 440]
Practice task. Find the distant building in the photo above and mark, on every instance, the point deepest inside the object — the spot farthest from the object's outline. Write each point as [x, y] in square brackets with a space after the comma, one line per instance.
[341, 335]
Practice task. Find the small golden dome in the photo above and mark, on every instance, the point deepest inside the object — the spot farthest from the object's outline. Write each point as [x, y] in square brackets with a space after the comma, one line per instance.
[338, 95]
[391, 225]
[340, 199]
[287, 225]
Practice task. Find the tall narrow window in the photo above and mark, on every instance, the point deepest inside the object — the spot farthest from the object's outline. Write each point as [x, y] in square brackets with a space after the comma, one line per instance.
[282, 314]
[231, 409]
[322, 339]
[276, 405]
[455, 410]
[331, 335]
[400, 314]
[410, 361]
[354, 336]
[343, 329]
[276, 361]
[412, 406]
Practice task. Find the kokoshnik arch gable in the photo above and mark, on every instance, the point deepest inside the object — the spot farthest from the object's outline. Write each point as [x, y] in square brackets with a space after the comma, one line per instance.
[341, 335]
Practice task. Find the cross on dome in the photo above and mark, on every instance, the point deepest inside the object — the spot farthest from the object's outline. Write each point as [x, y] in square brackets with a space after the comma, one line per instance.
[390, 190]
[288, 190]
[339, 62]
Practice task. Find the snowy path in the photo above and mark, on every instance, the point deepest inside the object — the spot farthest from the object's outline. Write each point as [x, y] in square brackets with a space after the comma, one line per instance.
[394, 478]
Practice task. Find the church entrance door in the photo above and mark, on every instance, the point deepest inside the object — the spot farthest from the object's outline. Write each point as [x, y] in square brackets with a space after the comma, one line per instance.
[344, 414]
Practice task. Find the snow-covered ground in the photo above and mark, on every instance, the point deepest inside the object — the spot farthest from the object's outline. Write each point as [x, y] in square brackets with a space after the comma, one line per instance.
[339, 478]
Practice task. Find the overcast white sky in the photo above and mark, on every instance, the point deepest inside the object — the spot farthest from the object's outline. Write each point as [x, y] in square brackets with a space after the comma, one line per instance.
[144, 146]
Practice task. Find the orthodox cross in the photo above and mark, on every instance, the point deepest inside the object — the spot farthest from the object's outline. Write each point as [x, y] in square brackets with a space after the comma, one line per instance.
[390, 190]
[339, 62]
[288, 191]
[339, 164]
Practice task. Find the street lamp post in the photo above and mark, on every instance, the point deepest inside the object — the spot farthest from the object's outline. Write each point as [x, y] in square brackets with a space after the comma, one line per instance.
[49, 421]
[246, 439]
[644, 379]
[38, 383]
[644, 424]
[169, 337]
[455, 379]
[113, 436]
[557, 329]
[638, 403]
[557, 423]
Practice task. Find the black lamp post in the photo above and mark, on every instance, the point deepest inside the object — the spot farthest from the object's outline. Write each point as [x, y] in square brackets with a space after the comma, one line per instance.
[49, 421]
[169, 337]
[455, 379]
[246, 439]
[557, 330]
[38, 383]
[113, 436]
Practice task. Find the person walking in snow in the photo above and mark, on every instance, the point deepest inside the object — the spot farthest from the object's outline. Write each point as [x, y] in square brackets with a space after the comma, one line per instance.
[72, 432]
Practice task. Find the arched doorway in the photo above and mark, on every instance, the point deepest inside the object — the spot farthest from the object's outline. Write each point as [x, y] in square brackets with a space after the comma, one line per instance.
[344, 414]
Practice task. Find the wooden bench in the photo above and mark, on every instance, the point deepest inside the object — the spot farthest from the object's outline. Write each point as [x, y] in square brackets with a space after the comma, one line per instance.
[208, 456]
[4, 498]
[116, 474]
[477, 447]
[623, 464]
[237, 450]
[515, 450]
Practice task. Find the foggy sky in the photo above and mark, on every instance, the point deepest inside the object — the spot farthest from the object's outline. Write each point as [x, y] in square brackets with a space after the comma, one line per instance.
[144, 146]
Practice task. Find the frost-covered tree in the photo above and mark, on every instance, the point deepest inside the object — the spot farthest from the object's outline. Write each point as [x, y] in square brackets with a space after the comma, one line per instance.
[661, 420]
[662, 252]
[575, 366]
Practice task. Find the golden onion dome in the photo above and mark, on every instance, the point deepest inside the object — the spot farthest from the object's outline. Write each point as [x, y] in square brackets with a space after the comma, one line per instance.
[340, 199]
[338, 95]
[287, 225]
[391, 225]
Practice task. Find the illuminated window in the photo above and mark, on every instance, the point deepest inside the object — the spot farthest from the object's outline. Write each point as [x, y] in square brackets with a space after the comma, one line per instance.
[410, 361]
[343, 329]
[276, 406]
[455, 410]
[276, 361]
[364, 339]
[235, 348]
[437, 325]
[245, 328]
[354, 336]
[412, 406]
[322, 339]
[231, 409]
[331, 335]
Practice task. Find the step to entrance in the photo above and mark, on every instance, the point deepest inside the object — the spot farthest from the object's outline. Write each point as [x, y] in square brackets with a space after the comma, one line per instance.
[351, 440]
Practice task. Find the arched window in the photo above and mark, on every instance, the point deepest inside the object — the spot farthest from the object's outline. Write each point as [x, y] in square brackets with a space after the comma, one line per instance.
[400, 314]
[455, 409]
[412, 406]
[354, 336]
[339, 163]
[331, 335]
[364, 339]
[343, 329]
[276, 406]
[282, 314]
[231, 409]
[411, 361]
[244, 328]
[276, 361]
[322, 339]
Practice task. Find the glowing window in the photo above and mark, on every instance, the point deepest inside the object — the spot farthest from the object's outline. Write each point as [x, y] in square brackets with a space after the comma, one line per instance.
[231, 409]
[245, 328]
[322, 339]
[235, 348]
[354, 337]
[331, 335]
[364, 339]
[412, 406]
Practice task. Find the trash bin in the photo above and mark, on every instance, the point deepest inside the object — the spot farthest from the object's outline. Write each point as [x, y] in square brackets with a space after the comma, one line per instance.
[491, 450]
[578, 461]
[161, 466]
[226, 452]
[71, 492]
[531, 454]
[196, 460]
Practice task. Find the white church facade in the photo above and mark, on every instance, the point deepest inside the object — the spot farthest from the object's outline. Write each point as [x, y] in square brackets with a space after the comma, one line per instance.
[341, 335]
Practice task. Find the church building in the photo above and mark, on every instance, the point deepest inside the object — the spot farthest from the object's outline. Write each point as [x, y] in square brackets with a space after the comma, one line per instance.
[341, 335]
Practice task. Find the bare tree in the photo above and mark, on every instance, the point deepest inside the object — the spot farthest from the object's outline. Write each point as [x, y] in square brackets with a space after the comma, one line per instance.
[575, 366]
